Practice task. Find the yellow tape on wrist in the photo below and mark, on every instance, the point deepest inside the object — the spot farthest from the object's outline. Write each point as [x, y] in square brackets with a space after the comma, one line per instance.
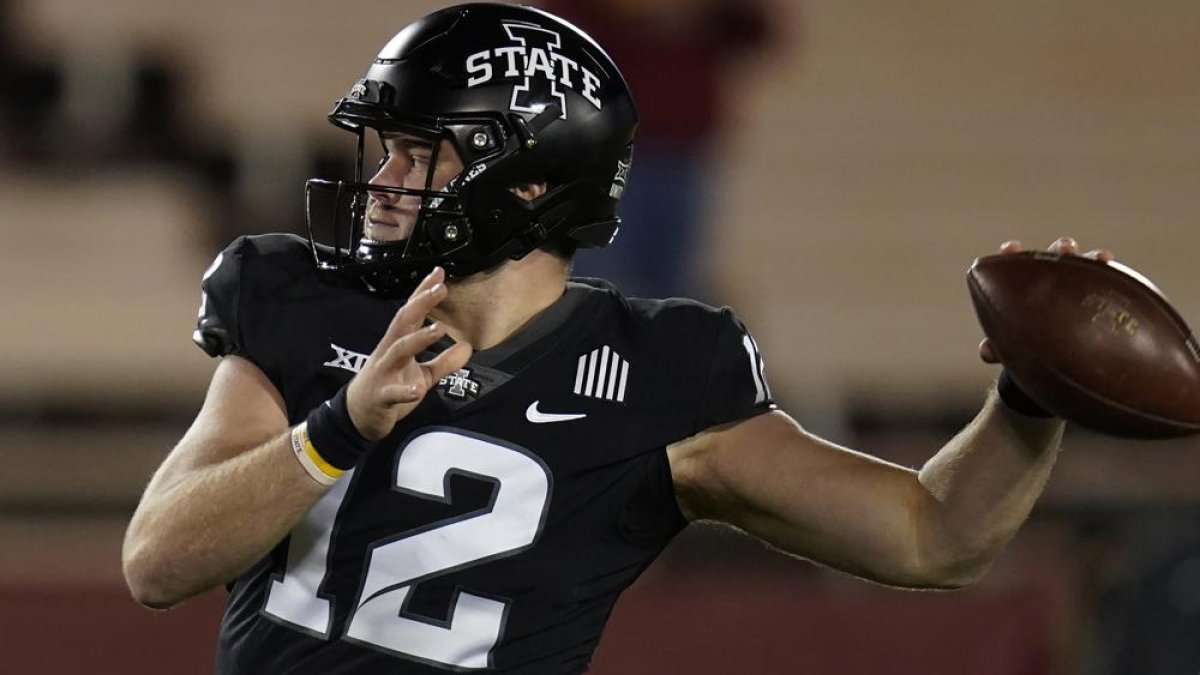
[321, 471]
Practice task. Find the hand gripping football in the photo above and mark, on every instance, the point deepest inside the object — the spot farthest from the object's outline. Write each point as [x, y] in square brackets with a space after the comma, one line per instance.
[1096, 343]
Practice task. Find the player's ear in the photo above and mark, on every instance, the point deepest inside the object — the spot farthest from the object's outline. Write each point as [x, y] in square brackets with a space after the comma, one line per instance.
[529, 191]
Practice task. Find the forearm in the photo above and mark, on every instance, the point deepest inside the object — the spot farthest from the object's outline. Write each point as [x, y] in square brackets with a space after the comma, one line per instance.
[205, 527]
[979, 489]
[937, 528]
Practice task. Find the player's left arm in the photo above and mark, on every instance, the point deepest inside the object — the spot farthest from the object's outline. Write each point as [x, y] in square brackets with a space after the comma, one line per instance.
[940, 527]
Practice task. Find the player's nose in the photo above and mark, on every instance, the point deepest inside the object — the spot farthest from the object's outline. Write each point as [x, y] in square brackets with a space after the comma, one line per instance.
[390, 175]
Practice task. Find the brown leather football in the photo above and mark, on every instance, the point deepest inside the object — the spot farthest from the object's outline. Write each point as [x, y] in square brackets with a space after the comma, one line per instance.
[1096, 343]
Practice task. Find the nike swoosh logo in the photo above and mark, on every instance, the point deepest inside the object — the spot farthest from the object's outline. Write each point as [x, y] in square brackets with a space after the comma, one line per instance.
[538, 417]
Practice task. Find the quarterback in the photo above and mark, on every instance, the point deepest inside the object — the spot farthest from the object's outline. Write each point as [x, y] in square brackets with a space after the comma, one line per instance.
[427, 449]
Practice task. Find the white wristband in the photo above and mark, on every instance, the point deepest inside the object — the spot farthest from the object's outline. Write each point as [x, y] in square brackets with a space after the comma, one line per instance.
[316, 466]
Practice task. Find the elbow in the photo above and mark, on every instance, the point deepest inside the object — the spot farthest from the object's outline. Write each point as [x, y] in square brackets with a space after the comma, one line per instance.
[950, 571]
[955, 577]
[936, 561]
[147, 588]
[934, 579]
[971, 570]
[942, 553]
[149, 580]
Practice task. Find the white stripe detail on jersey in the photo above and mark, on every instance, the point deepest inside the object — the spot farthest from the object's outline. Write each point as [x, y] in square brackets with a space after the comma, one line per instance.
[612, 375]
[607, 374]
[591, 373]
[579, 373]
[760, 386]
[603, 372]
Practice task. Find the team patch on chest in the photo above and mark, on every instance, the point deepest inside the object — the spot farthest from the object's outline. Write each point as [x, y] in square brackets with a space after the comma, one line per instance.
[459, 385]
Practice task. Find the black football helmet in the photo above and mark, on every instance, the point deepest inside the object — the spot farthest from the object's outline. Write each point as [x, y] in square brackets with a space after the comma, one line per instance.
[523, 97]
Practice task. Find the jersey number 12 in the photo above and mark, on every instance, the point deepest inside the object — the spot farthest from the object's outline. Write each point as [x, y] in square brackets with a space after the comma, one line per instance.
[394, 566]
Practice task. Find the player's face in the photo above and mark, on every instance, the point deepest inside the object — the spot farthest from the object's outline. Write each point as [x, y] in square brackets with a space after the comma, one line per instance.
[406, 161]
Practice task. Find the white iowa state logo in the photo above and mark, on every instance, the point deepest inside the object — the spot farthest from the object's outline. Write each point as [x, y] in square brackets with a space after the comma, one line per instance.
[534, 59]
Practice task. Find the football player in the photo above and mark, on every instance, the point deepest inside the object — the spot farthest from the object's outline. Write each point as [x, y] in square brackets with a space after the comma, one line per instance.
[425, 449]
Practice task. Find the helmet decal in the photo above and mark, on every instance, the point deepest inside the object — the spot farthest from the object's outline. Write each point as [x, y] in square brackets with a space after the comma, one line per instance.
[618, 182]
[536, 61]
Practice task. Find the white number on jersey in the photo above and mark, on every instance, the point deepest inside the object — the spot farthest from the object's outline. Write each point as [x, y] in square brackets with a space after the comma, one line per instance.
[475, 623]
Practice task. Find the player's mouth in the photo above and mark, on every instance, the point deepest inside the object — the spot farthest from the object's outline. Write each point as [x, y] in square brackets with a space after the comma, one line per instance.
[383, 231]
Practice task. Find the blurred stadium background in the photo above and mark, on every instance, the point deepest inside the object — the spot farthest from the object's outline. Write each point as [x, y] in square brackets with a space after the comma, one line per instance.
[870, 157]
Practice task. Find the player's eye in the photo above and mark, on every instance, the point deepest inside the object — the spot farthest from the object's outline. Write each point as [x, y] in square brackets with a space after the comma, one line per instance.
[418, 161]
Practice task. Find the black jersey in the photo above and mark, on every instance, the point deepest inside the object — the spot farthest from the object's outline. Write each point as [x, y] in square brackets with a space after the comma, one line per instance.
[495, 528]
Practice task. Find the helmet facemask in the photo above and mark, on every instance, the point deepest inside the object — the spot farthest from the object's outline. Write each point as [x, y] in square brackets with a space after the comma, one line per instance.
[340, 212]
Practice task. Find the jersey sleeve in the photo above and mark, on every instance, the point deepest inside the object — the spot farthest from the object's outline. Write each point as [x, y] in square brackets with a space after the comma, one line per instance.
[218, 329]
[233, 318]
[736, 386]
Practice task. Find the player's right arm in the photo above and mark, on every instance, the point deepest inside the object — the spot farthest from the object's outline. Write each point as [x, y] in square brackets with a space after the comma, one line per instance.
[226, 494]
[233, 488]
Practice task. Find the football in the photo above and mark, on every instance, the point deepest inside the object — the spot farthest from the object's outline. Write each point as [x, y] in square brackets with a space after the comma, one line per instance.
[1094, 342]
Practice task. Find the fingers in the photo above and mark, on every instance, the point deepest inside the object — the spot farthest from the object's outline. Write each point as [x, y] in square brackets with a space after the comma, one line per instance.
[1064, 246]
[436, 276]
[410, 380]
[432, 371]
[987, 352]
[400, 394]
[1068, 246]
[406, 347]
[449, 361]
[427, 295]
[1061, 246]
[404, 351]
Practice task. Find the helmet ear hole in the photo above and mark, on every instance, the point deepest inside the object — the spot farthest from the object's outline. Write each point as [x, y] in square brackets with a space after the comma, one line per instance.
[530, 192]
